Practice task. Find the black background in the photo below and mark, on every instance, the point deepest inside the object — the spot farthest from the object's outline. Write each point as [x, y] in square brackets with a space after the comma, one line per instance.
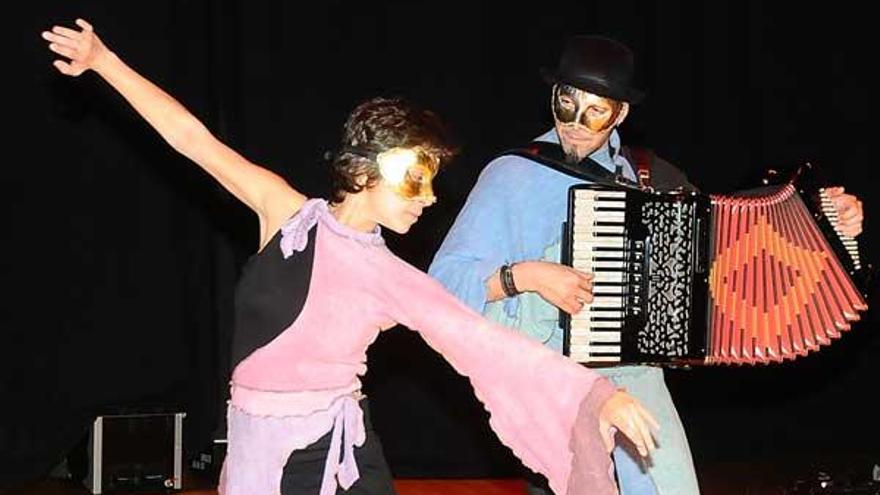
[120, 257]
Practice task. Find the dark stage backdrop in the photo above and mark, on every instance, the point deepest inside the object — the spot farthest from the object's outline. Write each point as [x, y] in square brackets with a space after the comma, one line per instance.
[120, 257]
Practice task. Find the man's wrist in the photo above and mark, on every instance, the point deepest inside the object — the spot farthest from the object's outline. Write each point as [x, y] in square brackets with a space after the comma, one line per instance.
[521, 277]
[508, 285]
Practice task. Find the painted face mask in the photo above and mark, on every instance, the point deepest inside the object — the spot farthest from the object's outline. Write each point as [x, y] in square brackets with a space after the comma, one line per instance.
[594, 112]
[409, 171]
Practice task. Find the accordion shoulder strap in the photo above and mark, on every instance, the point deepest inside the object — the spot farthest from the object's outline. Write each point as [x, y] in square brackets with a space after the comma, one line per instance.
[643, 161]
[552, 156]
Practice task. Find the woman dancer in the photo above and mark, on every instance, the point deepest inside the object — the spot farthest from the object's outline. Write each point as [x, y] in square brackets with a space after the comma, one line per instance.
[321, 287]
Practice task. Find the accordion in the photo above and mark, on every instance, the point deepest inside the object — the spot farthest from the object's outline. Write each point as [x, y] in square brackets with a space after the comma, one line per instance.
[683, 278]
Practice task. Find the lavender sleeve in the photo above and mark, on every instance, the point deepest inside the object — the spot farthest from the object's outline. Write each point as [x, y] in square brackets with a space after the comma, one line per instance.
[542, 405]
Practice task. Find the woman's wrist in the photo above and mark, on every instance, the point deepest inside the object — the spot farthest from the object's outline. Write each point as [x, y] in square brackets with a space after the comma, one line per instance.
[104, 61]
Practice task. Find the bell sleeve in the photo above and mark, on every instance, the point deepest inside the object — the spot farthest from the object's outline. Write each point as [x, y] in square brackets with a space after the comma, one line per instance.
[542, 405]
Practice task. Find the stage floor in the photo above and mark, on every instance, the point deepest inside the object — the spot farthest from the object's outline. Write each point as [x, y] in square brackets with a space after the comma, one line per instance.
[781, 477]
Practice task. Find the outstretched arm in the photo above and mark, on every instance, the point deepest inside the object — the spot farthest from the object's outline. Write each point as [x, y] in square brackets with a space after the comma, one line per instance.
[264, 192]
[556, 415]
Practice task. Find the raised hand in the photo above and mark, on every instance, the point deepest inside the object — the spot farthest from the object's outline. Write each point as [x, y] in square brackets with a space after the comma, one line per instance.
[83, 49]
[267, 194]
[627, 415]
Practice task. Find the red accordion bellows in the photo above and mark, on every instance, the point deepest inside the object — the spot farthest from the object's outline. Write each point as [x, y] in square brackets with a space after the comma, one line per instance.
[777, 291]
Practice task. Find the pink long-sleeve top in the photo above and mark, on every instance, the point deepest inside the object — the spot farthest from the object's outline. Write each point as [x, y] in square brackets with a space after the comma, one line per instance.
[312, 301]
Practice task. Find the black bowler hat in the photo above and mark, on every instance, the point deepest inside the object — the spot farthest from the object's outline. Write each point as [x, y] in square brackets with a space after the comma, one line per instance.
[598, 65]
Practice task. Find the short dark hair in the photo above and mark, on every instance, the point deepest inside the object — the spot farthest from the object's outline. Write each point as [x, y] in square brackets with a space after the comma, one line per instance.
[380, 124]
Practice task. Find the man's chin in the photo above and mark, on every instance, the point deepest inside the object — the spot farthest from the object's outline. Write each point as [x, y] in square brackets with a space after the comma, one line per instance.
[572, 158]
[572, 155]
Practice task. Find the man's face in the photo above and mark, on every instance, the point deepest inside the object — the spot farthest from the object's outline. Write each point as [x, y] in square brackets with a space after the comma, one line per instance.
[584, 121]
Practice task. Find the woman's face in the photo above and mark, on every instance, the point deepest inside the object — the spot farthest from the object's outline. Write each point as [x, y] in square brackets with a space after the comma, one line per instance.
[387, 207]
[403, 188]
[409, 171]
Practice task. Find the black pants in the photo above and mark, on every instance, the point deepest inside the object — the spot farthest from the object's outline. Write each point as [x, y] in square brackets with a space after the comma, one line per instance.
[305, 468]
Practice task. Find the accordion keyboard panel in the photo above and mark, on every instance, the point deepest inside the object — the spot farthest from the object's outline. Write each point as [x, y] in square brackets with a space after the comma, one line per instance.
[641, 250]
[598, 246]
